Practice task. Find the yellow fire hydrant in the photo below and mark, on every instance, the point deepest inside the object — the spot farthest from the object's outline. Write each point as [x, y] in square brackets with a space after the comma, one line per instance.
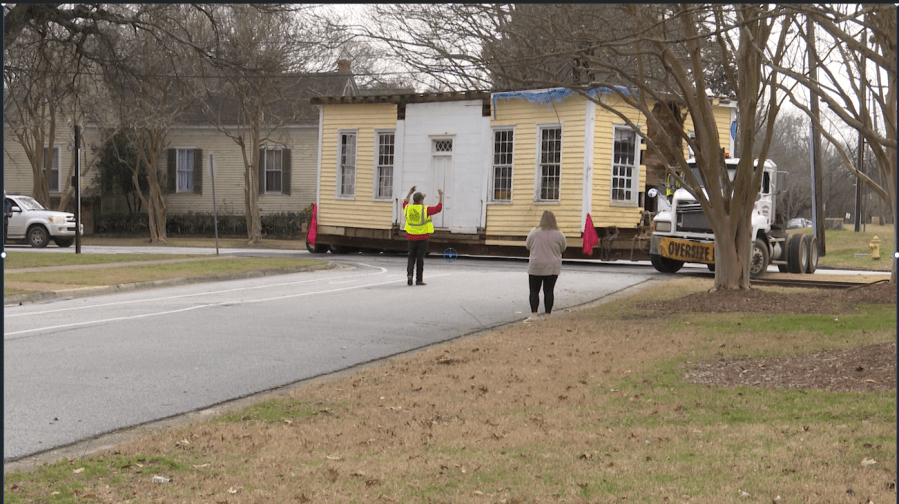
[875, 247]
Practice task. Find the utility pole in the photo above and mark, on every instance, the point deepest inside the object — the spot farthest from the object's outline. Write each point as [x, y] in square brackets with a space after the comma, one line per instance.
[817, 182]
[863, 105]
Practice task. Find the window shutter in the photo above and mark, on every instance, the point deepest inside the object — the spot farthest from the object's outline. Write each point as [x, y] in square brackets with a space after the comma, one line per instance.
[170, 182]
[198, 171]
[285, 172]
[261, 171]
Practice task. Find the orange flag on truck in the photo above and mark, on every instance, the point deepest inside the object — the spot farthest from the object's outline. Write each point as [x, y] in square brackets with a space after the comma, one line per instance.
[590, 238]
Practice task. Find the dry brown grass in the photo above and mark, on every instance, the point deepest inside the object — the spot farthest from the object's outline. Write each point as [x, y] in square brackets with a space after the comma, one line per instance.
[588, 407]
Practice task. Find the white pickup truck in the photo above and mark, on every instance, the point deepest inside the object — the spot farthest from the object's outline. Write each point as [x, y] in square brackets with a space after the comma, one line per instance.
[33, 223]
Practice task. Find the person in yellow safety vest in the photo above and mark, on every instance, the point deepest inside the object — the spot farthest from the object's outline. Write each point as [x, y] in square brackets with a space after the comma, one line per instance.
[671, 185]
[418, 229]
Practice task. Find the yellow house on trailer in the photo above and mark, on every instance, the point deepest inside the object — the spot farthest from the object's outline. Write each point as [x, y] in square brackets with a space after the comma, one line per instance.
[501, 158]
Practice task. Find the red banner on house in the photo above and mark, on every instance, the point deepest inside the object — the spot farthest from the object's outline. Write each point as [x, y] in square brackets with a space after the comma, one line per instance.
[590, 238]
[310, 237]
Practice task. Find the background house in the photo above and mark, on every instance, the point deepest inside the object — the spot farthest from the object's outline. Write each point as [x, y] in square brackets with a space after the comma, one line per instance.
[287, 168]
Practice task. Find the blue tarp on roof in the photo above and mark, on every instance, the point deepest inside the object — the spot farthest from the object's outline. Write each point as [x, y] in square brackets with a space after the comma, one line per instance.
[544, 96]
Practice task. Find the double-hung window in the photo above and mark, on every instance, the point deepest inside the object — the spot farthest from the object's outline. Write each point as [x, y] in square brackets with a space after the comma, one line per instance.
[273, 161]
[502, 165]
[549, 170]
[53, 177]
[625, 163]
[384, 168]
[346, 169]
[184, 170]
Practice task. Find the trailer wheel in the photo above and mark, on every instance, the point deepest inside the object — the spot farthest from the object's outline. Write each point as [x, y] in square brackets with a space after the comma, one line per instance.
[812, 243]
[664, 264]
[797, 254]
[319, 248]
[343, 249]
[758, 259]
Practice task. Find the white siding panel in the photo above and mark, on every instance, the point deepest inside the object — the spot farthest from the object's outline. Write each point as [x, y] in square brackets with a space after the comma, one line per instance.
[464, 190]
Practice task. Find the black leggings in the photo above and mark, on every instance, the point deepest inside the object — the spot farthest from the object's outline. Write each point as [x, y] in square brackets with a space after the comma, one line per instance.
[549, 283]
[417, 251]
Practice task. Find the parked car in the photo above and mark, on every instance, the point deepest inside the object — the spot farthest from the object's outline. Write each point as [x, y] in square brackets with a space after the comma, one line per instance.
[798, 223]
[36, 225]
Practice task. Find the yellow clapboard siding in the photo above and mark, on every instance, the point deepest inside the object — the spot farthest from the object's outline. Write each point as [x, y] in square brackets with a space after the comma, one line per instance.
[362, 210]
[519, 217]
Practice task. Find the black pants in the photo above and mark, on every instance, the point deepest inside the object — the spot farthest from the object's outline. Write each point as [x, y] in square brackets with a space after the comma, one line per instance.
[549, 283]
[417, 251]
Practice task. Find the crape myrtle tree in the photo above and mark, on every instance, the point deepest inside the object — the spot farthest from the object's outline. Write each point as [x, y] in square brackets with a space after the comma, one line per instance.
[856, 81]
[150, 92]
[667, 61]
[259, 58]
[51, 52]
[37, 86]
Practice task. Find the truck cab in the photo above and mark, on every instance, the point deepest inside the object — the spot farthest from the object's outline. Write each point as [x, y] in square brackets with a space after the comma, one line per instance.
[682, 233]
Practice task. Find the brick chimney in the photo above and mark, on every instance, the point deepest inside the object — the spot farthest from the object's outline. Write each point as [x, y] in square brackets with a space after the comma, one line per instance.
[343, 66]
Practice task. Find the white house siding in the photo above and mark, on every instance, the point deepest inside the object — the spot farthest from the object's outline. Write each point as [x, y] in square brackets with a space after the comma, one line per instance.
[18, 177]
[463, 181]
[230, 171]
[362, 210]
[517, 218]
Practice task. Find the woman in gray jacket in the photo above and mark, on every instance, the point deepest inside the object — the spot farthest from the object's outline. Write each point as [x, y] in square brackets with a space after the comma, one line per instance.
[546, 244]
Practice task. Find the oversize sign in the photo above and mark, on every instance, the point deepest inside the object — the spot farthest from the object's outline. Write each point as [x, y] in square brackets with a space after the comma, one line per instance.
[688, 251]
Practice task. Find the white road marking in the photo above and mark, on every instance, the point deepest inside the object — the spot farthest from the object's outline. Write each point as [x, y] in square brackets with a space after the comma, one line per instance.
[7, 335]
[180, 296]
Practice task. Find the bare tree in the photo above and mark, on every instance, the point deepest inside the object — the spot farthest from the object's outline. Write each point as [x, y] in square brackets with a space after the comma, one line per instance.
[150, 92]
[255, 76]
[857, 83]
[654, 58]
[38, 89]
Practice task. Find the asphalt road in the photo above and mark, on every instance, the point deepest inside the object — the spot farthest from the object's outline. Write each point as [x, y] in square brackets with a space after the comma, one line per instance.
[77, 369]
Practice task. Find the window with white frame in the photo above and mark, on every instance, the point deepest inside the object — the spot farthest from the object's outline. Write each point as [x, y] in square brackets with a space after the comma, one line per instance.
[346, 183]
[502, 165]
[184, 170]
[624, 165]
[273, 161]
[386, 143]
[53, 179]
[550, 168]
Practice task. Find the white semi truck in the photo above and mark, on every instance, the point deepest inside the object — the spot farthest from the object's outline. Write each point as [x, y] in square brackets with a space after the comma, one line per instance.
[681, 232]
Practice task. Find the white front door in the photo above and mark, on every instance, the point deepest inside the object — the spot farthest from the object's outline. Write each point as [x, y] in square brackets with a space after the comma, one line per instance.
[441, 178]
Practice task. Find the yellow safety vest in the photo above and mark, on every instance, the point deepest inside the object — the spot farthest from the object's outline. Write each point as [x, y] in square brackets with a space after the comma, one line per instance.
[671, 185]
[417, 220]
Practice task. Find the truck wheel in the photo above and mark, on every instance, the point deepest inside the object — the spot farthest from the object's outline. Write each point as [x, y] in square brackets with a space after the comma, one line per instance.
[758, 259]
[63, 242]
[797, 254]
[664, 264]
[812, 243]
[38, 237]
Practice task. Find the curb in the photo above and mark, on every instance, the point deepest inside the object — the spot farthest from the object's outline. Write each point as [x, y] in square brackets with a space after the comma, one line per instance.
[33, 297]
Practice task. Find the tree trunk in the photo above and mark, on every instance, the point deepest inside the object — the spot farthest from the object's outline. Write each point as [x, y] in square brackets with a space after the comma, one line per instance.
[732, 259]
[42, 177]
[156, 212]
[251, 192]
